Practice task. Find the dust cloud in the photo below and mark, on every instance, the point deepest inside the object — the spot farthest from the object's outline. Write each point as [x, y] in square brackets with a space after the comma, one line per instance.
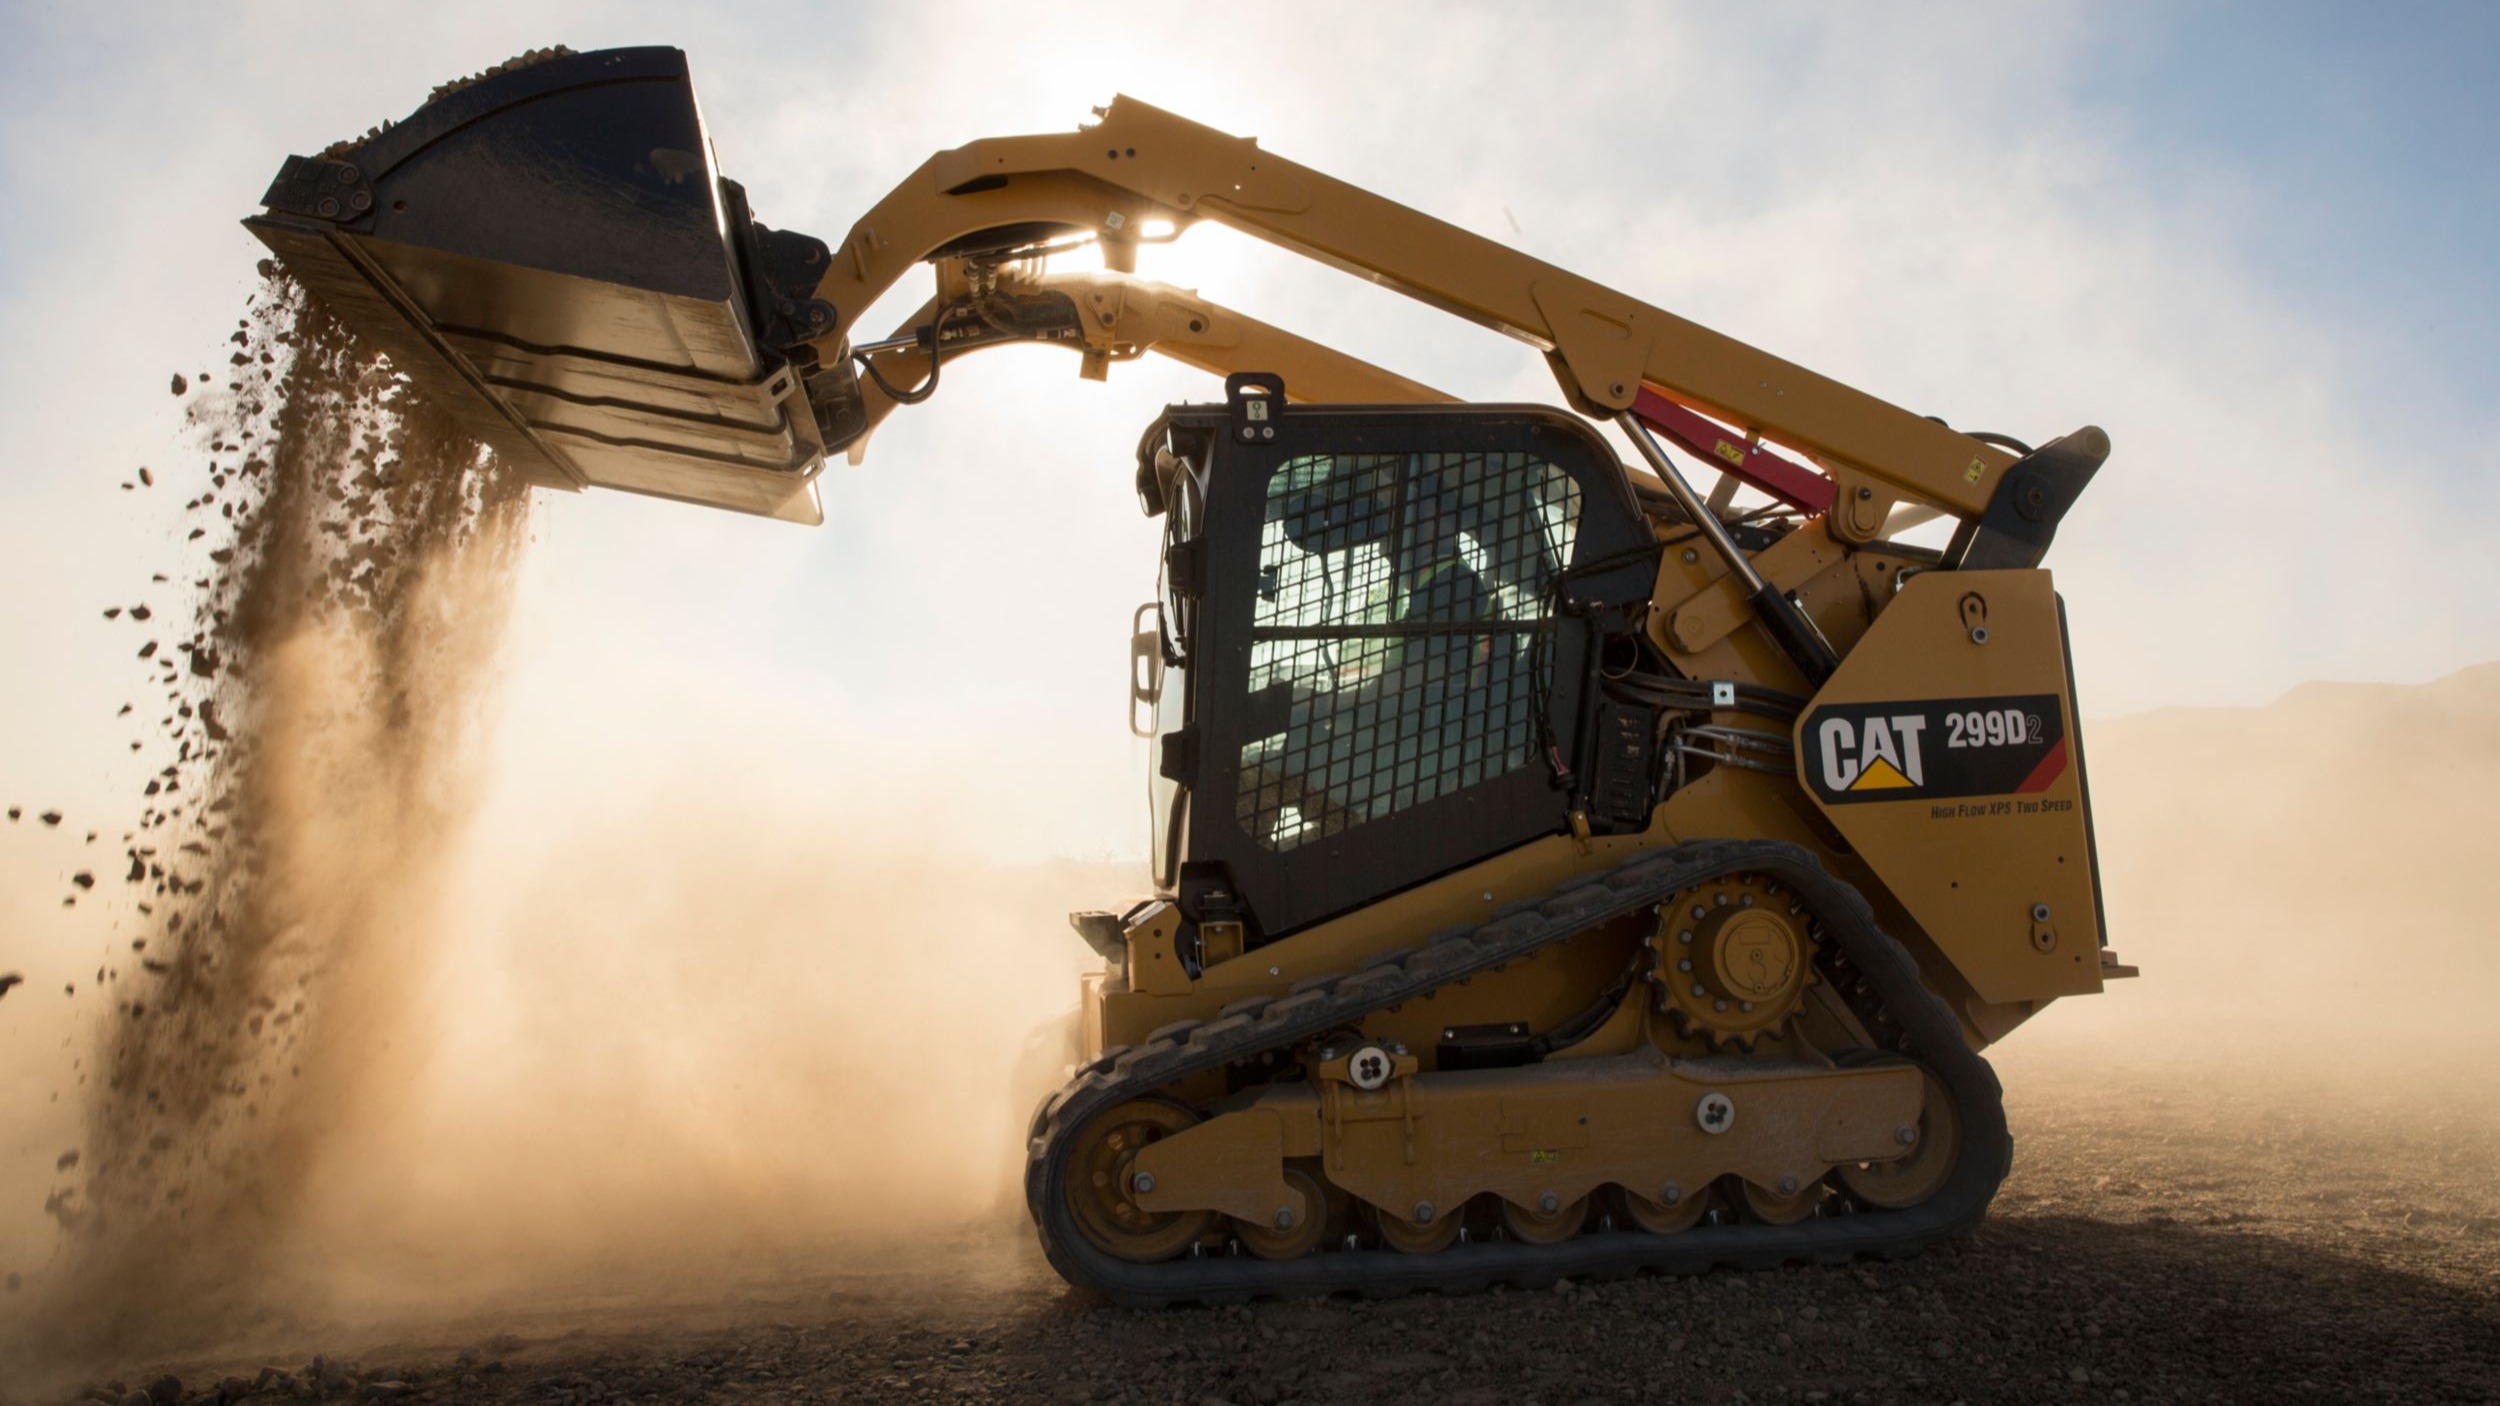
[2307, 888]
[411, 1043]
[730, 1034]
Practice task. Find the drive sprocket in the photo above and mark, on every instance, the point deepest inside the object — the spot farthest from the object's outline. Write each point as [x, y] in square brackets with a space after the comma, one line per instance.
[1732, 958]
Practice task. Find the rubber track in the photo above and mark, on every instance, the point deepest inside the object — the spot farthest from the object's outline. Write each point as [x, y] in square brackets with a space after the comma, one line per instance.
[1929, 1033]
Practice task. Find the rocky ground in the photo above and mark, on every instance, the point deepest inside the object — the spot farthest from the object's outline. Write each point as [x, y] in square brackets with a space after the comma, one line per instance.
[2166, 1236]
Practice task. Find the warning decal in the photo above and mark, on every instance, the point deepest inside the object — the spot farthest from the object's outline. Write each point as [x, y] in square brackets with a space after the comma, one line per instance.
[1932, 749]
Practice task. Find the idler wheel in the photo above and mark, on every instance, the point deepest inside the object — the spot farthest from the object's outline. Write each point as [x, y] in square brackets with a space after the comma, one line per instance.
[1102, 1194]
[1935, 1145]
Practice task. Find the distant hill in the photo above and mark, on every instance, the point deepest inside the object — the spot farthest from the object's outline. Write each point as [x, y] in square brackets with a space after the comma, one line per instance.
[2325, 861]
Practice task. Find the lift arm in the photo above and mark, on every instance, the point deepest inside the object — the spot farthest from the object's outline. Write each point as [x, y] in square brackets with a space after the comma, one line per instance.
[1140, 168]
[1111, 317]
[1108, 317]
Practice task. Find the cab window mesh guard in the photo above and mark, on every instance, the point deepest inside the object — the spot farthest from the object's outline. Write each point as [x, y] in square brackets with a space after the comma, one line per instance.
[1392, 659]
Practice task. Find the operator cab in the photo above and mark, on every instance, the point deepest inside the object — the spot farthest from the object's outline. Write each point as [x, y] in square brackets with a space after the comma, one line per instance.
[1371, 645]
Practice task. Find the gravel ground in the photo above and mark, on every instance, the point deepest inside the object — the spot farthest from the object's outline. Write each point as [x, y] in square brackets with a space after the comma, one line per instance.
[2162, 1239]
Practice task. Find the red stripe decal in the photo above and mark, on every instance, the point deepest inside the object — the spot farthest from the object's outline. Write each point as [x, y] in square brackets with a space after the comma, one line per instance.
[2050, 768]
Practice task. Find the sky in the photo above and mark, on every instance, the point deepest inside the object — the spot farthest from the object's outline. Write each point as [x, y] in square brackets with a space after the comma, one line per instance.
[2249, 240]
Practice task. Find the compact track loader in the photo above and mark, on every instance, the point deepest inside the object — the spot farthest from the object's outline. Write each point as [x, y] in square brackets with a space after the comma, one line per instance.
[1557, 870]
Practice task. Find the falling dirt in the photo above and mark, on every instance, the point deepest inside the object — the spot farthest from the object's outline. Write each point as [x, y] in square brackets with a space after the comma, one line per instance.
[374, 1058]
[321, 711]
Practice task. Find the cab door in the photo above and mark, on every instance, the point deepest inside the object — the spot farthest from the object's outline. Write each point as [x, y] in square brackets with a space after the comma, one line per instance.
[1385, 680]
[1161, 670]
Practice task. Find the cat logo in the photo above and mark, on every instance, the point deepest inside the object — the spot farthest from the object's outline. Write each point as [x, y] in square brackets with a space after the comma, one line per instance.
[1872, 754]
[1932, 749]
